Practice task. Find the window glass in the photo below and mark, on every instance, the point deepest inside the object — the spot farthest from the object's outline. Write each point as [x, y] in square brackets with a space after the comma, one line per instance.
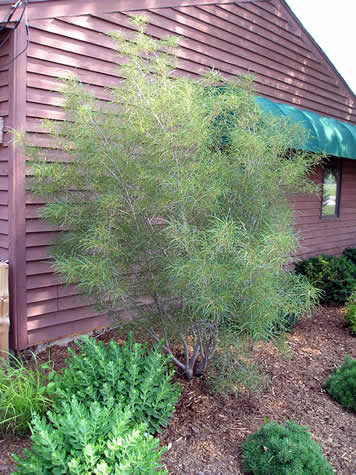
[331, 189]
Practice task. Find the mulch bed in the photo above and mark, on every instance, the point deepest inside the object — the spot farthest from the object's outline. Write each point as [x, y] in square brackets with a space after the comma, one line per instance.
[206, 431]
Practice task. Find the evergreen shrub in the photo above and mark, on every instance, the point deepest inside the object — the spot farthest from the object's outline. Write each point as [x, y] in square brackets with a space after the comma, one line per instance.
[350, 253]
[350, 313]
[89, 440]
[130, 374]
[334, 276]
[341, 384]
[283, 450]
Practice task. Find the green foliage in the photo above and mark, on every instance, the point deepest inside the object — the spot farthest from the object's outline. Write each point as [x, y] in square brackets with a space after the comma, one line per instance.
[283, 450]
[350, 312]
[178, 194]
[22, 392]
[341, 385]
[91, 439]
[350, 253]
[232, 371]
[334, 276]
[290, 314]
[129, 375]
[286, 324]
[105, 403]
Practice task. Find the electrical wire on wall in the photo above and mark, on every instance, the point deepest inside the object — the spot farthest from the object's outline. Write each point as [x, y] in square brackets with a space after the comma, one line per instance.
[5, 24]
[10, 15]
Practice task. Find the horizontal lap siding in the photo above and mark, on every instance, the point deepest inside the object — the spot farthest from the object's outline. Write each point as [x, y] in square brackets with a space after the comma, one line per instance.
[4, 153]
[248, 38]
[281, 73]
[327, 235]
[55, 310]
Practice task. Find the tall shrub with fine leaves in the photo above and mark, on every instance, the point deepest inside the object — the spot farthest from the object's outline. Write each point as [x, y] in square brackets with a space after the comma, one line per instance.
[174, 202]
[350, 312]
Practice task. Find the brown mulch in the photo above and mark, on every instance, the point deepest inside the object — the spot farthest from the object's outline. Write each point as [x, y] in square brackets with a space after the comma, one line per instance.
[206, 431]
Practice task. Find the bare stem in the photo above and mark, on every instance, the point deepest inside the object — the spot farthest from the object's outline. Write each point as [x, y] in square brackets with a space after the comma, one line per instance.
[167, 349]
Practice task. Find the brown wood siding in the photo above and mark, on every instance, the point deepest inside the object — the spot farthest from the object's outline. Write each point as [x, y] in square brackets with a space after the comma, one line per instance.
[4, 150]
[327, 235]
[16, 202]
[257, 38]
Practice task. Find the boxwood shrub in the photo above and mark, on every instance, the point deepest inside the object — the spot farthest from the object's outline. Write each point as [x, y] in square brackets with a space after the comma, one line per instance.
[334, 276]
[285, 449]
[341, 384]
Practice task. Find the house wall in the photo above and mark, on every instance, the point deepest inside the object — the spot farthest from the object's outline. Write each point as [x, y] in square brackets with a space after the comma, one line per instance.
[327, 235]
[256, 38]
[4, 150]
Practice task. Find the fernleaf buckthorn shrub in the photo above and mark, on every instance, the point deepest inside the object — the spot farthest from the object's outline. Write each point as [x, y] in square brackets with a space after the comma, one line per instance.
[296, 309]
[283, 450]
[131, 375]
[350, 312]
[178, 194]
[285, 324]
[288, 322]
[341, 384]
[334, 276]
[95, 439]
[235, 374]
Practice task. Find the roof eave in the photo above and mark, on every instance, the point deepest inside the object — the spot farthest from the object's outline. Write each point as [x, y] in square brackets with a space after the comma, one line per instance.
[320, 51]
[41, 9]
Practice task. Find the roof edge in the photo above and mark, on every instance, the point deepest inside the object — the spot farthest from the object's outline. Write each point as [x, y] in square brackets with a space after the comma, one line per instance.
[320, 50]
[42, 9]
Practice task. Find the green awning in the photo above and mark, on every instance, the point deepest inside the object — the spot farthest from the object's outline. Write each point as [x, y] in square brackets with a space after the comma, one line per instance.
[326, 135]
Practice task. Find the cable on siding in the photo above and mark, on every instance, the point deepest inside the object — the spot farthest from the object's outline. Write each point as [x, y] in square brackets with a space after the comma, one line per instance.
[11, 32]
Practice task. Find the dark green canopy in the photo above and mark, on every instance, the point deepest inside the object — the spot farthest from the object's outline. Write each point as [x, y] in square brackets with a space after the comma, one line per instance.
[327, 135]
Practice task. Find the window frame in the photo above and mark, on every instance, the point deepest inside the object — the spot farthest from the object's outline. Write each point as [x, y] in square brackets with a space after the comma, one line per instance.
[338, 164]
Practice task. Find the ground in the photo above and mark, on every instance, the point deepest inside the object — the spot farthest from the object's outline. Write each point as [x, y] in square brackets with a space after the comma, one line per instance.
[206, 431]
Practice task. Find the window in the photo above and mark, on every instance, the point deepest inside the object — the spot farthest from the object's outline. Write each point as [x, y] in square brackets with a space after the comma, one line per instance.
[331, 189]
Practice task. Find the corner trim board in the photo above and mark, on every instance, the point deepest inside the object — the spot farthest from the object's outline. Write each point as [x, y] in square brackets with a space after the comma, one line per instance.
[17, 222]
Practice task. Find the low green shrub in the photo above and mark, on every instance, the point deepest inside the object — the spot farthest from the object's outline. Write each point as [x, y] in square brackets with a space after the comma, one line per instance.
[350, 253]
[334, 276]
[89, 440]
[22, 391]
[283, 450]
[350, 312]
[130, 374]
[341, 384]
